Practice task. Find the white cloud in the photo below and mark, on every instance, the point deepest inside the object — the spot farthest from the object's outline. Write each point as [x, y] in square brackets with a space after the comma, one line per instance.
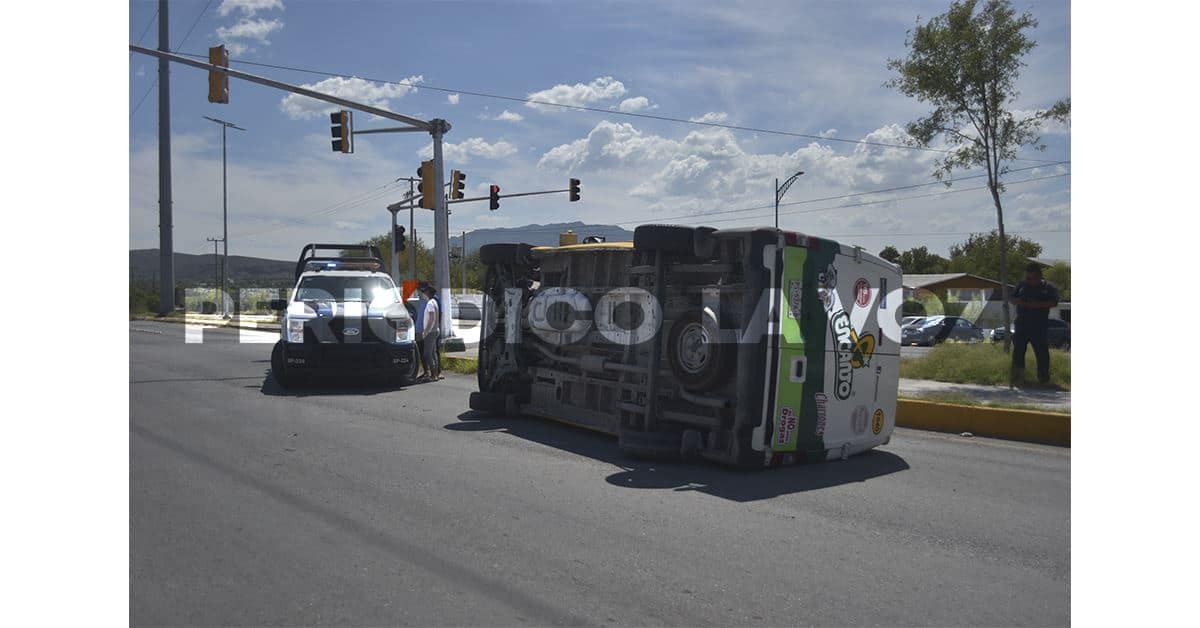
[828, 133]
[712, 116]
[248, 7]
[471, 147]
[299, 107]
[256, 29]
[579, 94]
[637, 103]
[452, 99]
[508, 116]
[709, 163]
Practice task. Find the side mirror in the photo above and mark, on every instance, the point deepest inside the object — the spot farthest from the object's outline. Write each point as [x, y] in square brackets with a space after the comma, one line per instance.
[278, 305]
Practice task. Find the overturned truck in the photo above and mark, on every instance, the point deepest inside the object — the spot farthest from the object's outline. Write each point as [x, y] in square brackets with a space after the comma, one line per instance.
[749, 347]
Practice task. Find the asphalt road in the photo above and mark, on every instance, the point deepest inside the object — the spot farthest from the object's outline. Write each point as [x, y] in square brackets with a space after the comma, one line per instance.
[355, 505]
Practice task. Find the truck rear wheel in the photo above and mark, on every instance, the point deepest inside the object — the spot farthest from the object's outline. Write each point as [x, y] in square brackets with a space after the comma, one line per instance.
[488, 403]
[505, 253]
[667, 238]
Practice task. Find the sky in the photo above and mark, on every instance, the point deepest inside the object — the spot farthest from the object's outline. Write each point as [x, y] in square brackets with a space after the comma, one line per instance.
[814, 68]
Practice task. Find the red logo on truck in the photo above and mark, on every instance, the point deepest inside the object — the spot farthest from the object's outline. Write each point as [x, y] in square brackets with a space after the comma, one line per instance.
[862, 293]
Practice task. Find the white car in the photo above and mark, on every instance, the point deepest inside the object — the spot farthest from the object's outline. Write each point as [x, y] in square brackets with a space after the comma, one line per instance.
[345, 317]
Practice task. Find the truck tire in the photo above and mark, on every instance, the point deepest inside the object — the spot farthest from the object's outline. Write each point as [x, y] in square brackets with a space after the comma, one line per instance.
[697, 357]
[488, 403]
[667, 238]
[649, 445]
[505, 253]
[278, 370]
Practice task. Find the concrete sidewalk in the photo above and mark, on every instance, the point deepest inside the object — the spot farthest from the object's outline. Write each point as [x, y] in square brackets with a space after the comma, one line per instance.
[1050, 400]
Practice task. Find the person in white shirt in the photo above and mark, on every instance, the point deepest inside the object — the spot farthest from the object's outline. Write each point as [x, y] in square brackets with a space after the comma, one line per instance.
[431, 318]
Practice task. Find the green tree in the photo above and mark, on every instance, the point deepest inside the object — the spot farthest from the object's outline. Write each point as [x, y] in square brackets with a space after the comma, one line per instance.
[891, 254]
[425, 262]
[980, 255]
[965, 64]
[918, 260]
[1059, 274]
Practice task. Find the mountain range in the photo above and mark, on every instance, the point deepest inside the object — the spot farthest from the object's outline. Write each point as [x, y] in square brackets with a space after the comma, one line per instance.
[192, 268]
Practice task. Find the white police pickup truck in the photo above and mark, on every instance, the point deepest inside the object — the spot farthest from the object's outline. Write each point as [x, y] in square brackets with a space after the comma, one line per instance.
[345, 318]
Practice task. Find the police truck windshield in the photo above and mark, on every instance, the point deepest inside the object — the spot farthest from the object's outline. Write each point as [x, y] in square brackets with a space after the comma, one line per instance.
[341, 288]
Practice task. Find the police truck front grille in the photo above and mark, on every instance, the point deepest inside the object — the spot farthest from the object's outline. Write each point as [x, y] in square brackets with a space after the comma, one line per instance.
[336, 331]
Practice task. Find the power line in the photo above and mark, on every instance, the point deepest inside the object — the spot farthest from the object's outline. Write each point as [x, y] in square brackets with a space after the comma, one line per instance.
[194, 23]
[372, 195]
[147, 29]
[527, 100]
[886, 200]
[154, 83]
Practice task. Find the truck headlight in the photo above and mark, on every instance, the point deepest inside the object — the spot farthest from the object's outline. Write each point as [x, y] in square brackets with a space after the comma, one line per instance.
[402, 327]
[295, 330]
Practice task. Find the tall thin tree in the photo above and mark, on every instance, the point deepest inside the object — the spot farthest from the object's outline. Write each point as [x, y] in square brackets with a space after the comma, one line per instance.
[965, 63]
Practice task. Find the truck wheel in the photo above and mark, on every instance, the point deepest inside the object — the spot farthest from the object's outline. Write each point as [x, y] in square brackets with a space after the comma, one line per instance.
[278, 371]
[698, 359]
[668, 238]
[649, 445]
[488, 403]
[505, 253]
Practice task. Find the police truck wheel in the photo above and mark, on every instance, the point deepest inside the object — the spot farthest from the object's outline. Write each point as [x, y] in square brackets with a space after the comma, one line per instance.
[698, 359]
[278, 370]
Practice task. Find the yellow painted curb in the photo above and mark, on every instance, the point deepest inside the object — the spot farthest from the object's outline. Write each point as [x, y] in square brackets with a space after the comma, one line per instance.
[1025, 425]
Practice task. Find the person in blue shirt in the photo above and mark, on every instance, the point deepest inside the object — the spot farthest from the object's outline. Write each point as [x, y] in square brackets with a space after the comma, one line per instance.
[1033, 297]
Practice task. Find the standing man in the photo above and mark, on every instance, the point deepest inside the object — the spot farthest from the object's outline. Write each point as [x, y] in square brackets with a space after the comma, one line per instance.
[1033, 297]
[431, 332]
[419, 326]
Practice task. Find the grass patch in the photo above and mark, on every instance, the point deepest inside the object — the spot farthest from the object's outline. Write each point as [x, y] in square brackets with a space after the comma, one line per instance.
[466, 366]
[967, 400]
[982, 363]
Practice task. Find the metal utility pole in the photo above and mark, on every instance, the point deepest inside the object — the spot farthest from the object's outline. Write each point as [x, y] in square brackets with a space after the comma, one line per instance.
[217, 268]
[463, 259]
[224, 209]
[166, 245]
[780, 191]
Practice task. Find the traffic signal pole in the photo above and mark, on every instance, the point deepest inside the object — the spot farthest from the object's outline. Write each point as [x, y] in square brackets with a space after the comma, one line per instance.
[441, 231]
[436, 129]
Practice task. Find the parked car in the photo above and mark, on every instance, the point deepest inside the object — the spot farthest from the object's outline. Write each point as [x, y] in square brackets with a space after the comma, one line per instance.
[912, 320]
[1058, 334]
[936, 329]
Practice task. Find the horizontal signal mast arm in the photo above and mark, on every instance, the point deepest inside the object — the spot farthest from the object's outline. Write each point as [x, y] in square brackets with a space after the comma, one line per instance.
[287, 87]
[514, 195]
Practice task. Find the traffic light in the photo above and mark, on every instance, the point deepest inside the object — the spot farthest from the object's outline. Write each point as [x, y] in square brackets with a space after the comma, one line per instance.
[429, 188]
[398, 243]
[457, 183]
[342, 131]
[494, 201]
[574, 190]
[218, 82]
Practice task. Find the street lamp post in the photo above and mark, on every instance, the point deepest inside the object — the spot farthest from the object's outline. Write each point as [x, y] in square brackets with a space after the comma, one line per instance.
[781, 190]
[224, 213]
